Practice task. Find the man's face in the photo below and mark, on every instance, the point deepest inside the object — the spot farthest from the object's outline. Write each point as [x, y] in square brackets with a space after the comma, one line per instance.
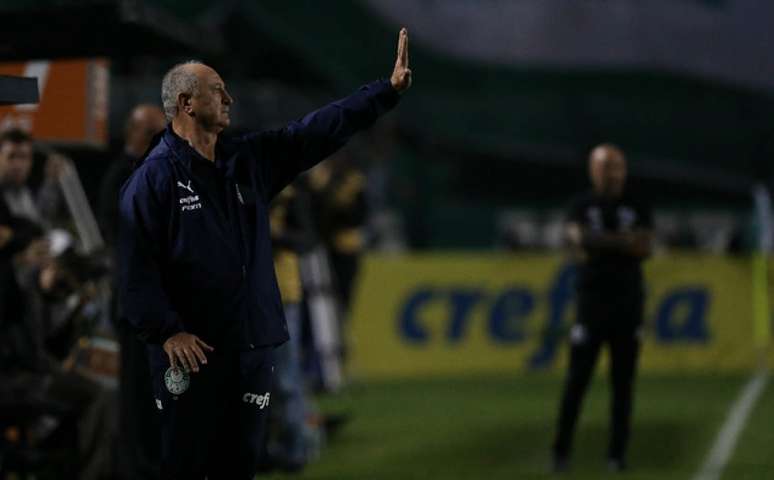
[211, 102]
[607, 168]
[15, 163]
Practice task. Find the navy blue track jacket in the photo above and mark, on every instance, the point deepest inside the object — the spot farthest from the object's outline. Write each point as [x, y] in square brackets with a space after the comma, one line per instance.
[190, 261]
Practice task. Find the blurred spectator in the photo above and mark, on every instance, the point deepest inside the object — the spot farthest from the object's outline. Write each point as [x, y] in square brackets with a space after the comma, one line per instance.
[338, 199]
[145, 121]
[140, 448]
[19, 237]
[292, 234]
[321, 297]
[57, 403]
[16, 158]
[342, 206]
[15, 168]
[46, 292]
[15, 236]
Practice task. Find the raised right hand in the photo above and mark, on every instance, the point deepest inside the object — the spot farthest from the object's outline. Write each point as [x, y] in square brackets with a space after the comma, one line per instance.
[401, 74]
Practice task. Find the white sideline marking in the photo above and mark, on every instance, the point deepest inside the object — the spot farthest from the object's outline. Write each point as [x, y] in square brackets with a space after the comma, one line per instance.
[725, 441]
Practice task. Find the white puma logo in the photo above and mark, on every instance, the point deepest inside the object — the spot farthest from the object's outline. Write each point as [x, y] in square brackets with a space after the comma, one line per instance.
[187, 187]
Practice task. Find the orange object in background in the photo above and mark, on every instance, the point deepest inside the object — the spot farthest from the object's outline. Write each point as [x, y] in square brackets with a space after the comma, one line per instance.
[73, 105]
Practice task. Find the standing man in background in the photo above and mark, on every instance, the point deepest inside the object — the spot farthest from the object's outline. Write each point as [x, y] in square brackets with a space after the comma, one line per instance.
[609, 232]
[139, 440]
[292, 234]
[197, 276]
[344, 218]
[145, 121]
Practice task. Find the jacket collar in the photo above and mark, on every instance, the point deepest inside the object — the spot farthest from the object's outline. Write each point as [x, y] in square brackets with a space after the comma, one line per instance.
[225, 150]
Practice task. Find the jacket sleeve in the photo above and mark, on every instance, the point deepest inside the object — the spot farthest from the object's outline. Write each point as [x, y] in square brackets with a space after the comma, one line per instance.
[143, 225]
[285, 153]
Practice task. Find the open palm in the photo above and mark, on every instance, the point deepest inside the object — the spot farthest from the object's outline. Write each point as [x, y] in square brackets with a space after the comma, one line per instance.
[401, 75]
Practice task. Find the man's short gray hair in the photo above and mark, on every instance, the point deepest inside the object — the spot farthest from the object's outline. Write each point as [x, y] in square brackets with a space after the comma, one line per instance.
[176, 81]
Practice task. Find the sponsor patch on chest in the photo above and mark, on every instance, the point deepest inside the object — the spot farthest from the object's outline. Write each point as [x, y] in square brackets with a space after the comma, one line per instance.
[189, 203]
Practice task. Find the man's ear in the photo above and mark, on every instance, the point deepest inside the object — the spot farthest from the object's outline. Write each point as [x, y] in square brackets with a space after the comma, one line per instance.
[184, 104]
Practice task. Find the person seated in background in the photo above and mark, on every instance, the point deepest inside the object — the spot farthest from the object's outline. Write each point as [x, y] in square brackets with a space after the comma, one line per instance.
[36, 374]
[16, 159]
[42, 296]
[21, 245]
[16, 237]
[24, 218]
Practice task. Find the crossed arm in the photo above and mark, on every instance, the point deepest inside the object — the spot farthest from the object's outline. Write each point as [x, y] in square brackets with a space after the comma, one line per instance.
[636, 243]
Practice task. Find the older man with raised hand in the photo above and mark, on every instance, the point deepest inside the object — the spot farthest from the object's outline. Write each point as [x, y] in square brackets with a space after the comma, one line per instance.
[197, 272]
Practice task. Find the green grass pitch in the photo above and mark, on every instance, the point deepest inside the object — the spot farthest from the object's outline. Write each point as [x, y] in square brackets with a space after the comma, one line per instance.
[500, 427]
